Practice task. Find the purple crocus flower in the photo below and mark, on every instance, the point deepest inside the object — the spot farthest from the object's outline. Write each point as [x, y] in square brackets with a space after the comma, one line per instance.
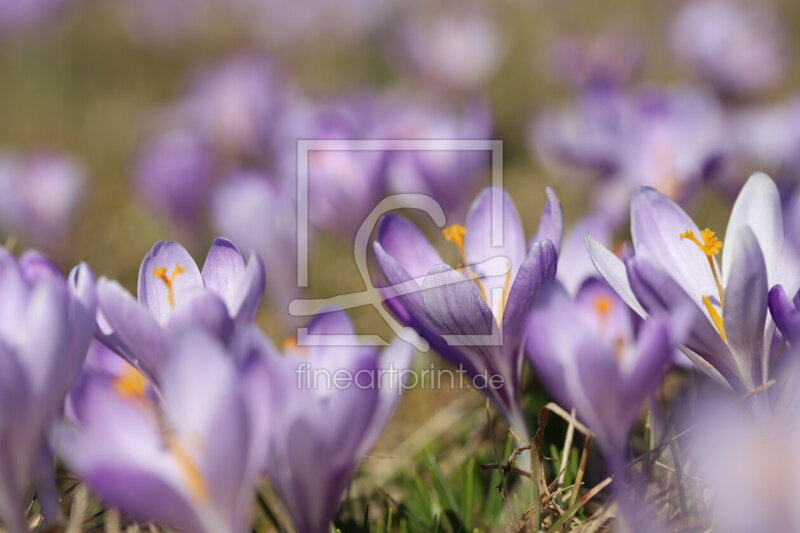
[39, 196]
[251, 210]
[46, 323]
[458, 49]
[491, 292]
[668, 139]
[610, 59]
[674, 265]
[180, 457]
[574, 263]
[767, 136]
[236, 103]
[737, 46]
[448, 176]
[173, 175]
[328, 398]
[174, 294]
[586, 354]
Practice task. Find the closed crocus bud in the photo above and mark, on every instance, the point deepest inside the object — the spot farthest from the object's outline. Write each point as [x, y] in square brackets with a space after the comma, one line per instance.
[173, 176]
[39, 197]
[456, 49]
[737, 46]
[251, 210]
[327, 397]
[174, 294]
[235, 103]
[180, 457]
[46, 324]
[473, 316]
[447, 176]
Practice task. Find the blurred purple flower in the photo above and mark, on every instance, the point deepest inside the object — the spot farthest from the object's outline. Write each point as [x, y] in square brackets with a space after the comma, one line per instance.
[31, 15]
[456, 49]
[731, 337]
[328, 398]
[173, 294]
[336, 178]
[173, 175]
[749, 465]
[448, 176]
[46, 323]
[180, 457]
[608, 60]
[235, 103]
[768, 137]
[668, 139]
[481, 309]
[39, 197]
[586, 354]
[737, 46]
[251, 210]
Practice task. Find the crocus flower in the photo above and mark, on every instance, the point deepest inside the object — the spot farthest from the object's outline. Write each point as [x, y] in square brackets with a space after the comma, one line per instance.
[766, 136]
[457, 49]
[737, 46]
[574, 263]
[39, 196]
[470, 305]
[327, 400]
[749, 464]
[235, 103]
[46, 323]
[610, 59]
[587, 355]
[174, 294]
[448, 176]
[181, 457]
[251, 209]
[668, 139]
[173, 175]
[675, 264]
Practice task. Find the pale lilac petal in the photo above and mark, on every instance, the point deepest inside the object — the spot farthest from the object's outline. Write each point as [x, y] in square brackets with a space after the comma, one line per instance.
[785, 314]
[758, 206]
[612, 269]
[205, 310]
[223, 269]
[574, 262]
[493, 211]
[656, 226]
[247, 297]
[551, 224]
[610, 317]
[407, 245]
[138, 335]
[153, 292]
[745, 311]
[37, 267]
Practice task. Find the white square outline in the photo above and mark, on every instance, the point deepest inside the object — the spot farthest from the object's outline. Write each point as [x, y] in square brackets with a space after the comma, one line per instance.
[305, 146]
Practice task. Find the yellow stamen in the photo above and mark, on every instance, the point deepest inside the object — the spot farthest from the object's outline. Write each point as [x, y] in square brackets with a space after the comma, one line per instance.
[455, 234]
[715, 317]
[169, 280]
[191, 472]
[710, 245]
[130, 383]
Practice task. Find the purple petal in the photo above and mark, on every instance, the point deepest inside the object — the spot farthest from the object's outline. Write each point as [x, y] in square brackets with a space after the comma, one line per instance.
[612, 269]
[407, 245]
[205, 310]
[745, 311]
[493, 211]
[574, 262]
[656, 225]
[223, 269]
[784, 314]
[659, 293]
[247, 298]
[178, 266]
[138, 336]
[538, 268]
[551, 224]
[37, 267]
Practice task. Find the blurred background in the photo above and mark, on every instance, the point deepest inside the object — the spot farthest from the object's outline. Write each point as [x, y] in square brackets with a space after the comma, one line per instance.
[125, 122]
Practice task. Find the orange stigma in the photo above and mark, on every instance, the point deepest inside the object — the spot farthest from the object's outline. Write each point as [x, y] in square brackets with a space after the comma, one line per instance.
[710, 245]
[130, 383]
[169, 280]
